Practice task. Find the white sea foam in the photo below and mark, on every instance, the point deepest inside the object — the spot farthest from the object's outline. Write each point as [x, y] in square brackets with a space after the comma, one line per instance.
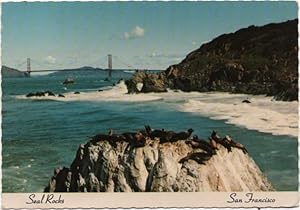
[115, 93]
[262, 114]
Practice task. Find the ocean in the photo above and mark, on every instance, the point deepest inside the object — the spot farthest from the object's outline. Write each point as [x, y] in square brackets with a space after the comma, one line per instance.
[40, 134]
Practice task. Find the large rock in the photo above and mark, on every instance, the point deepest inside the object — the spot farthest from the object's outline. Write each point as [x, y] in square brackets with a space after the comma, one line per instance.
[150, 82]
[253, 60]
[156, 167]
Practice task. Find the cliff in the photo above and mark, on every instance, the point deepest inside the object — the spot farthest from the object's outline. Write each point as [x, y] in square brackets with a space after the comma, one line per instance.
[115, 164]
[253, 60]
[11, 72]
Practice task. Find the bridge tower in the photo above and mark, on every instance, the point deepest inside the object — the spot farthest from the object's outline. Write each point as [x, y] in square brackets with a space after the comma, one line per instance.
[28, 66]
[109, 56]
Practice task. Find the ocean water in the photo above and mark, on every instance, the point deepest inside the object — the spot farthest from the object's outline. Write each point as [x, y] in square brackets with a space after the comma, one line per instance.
[41, 134]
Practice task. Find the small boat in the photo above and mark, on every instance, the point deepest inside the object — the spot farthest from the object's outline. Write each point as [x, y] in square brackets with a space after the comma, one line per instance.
[68, 81]
[130, 71]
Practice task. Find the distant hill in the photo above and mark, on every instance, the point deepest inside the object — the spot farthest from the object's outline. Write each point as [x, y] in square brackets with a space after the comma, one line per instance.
[11, 72]
[81, 69]
[253, 60]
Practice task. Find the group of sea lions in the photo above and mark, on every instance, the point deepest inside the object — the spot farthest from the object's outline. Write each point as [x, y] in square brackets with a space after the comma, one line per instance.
[227, 142]
[45, 93]
[209, 149]
[138, 139]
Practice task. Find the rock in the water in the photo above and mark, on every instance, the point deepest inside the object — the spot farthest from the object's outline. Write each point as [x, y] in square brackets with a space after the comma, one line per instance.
[178, 166]
[30, 95]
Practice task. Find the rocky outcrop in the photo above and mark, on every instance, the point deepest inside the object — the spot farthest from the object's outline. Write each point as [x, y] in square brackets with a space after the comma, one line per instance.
[253, 60]
[149, 83]
[158, 165]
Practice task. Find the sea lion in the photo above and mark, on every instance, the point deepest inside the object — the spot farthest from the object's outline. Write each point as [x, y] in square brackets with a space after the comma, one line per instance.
[218, 140]
[61, 95]
[157, 134]
[182, 135]
[135, 139]
[246, 101]
[199, 157]
[235, 144]
[139, 139]
[77, 92]
[213, 143]
[202, 145]
[215, 136]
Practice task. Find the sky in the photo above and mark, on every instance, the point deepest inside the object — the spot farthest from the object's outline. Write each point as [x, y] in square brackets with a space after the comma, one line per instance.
[139, 35]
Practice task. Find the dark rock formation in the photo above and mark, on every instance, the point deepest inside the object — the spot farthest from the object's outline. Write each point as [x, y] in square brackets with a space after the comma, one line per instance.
[149, 83]
[40, 94]
[119, 163]
[253, 60]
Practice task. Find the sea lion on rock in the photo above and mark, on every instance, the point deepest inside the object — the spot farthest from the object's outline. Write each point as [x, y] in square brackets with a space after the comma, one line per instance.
[215, 136]
[154, 133]
[213, 143]
[199, 157]
[135, 139]
[182, 135]
[61, 95]
[205, 146]
[218, 140]
[77, 92]
[235, 144]
[246, 101]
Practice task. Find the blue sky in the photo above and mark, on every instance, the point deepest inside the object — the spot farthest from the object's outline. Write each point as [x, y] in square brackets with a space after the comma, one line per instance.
[150, 35]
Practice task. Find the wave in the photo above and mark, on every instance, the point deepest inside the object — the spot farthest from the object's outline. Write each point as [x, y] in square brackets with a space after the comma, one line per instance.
[262, 114]
[115, 93]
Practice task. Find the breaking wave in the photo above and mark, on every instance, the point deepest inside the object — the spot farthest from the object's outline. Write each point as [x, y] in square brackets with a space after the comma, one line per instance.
[262, 114]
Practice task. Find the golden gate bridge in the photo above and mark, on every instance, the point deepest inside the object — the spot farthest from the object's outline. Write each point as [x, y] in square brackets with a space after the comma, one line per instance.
[106, 61]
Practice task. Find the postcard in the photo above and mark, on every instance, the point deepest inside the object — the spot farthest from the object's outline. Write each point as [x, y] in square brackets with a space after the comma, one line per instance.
[149, 104]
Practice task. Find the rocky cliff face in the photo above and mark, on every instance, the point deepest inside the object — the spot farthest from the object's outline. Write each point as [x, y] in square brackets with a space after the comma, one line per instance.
[158, 165]
[253, 60]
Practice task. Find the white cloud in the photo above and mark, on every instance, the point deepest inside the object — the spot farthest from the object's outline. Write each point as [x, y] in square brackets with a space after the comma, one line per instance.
[50, 59]
[136, 32]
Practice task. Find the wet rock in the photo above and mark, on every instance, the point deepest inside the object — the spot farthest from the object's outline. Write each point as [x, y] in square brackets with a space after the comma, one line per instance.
[49, 93]
[30, 95]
